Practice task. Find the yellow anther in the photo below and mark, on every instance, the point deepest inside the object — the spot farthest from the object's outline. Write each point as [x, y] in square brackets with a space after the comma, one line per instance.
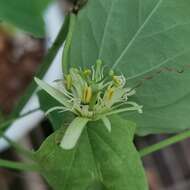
[68, 79]
[116, 80]
[109, 93]
[87, 95]
[87, 72]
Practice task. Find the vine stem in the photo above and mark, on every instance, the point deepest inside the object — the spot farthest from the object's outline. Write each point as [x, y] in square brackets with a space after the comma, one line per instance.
[165, 143]
[19, 149]
[18, 166]
[65, 59]
[52, 52]
[7, 122]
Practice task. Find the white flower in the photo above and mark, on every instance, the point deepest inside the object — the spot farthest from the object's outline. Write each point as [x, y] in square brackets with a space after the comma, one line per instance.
[90, 96]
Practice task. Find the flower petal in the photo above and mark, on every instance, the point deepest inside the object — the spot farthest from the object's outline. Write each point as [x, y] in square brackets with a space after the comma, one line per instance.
[59, 96]
[73, 133]
[107, 123]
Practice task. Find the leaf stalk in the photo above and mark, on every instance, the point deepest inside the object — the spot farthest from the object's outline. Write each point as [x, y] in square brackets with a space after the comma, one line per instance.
[165, 143]
[18, 166]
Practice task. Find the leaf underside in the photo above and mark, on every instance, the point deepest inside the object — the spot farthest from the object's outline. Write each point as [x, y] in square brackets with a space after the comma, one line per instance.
[140, 38]
[101, 160]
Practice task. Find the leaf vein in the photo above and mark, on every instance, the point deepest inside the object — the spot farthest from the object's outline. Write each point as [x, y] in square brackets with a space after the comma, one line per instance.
[174, 26]
[159, 65]
[111, 148]
[106, 27]
[137, 34]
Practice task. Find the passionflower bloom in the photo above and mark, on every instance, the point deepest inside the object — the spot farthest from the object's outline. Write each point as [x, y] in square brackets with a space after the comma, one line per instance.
[90, 95]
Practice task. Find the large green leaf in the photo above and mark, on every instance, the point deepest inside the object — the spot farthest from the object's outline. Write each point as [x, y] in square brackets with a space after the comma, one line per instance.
[138, 37]
[101, 160]
[43, 4]
[25, 14]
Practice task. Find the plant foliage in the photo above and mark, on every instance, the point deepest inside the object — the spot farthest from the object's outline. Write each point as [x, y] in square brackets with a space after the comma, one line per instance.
[139, 38]
[107, 160]
[25, 14]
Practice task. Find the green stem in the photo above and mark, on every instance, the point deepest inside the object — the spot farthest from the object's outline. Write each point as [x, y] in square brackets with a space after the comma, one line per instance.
[3, 125]
[165, 143]
[18, 165]
[19, 149]
[65, 58]
[43, 68]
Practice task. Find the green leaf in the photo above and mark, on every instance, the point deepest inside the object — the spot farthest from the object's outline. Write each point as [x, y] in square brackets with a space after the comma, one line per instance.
[25, 14]
[138, 38]
[43, 4]
[97, 185]
[100, 159]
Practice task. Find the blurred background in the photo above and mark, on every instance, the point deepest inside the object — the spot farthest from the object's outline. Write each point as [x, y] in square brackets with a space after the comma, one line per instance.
[20, 56]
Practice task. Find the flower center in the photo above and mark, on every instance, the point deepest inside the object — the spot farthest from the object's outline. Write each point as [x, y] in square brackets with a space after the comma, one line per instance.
[93, 93]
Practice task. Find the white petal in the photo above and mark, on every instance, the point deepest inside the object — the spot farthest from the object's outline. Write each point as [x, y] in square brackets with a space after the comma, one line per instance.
[73, 133]
[107, 123]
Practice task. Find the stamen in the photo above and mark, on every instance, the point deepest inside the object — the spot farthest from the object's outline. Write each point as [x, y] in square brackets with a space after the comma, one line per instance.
[119, 80]
[55, 109]
[68, 81]
[109, 93]
[87, 94]
[87, 72]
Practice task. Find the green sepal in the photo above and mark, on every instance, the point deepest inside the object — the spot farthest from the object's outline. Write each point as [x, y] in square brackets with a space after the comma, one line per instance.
[107, 123]
[60, 97]
[73, 133]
